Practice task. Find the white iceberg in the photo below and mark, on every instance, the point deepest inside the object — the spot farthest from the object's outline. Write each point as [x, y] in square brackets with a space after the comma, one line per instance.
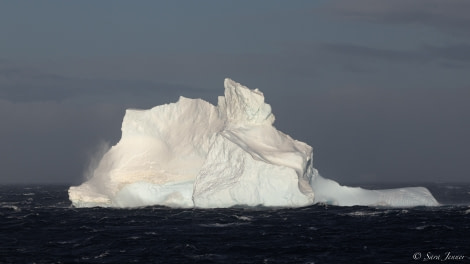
[194, 154]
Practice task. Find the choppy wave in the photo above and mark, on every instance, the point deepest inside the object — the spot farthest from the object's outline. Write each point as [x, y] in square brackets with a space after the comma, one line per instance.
[44, 228]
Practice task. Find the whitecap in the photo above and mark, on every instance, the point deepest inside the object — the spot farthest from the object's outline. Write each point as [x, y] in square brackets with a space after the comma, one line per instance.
[222, 225]
[13, 207]
[363, 213]
[423, 227]
[244, 218]
[104, 254]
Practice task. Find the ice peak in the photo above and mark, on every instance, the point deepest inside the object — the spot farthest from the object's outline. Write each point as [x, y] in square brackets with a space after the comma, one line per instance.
[243, 106]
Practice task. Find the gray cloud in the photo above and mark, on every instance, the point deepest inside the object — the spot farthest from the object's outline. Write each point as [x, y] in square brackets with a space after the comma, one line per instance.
[354, 57]
[365, 52]
[203, 73]
[449, 15]
[4, 62]
[30, 85]
[458, 53]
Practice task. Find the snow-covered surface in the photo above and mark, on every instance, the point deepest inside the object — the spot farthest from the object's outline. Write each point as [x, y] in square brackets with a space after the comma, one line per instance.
[194, 154]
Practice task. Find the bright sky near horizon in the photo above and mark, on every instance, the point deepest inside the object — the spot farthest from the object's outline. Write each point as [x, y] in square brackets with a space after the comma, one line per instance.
[380, 89]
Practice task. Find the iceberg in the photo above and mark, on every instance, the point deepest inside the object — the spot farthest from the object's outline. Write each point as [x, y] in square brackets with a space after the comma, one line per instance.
[194, 154]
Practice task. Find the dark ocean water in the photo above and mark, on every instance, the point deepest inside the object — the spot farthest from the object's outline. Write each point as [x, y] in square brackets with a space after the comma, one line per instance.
[38, 225]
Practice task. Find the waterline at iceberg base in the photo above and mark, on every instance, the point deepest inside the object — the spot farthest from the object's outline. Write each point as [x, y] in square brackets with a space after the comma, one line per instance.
[194, 154]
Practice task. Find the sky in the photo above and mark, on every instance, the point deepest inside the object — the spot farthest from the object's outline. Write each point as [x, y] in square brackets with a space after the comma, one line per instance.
[379, 89]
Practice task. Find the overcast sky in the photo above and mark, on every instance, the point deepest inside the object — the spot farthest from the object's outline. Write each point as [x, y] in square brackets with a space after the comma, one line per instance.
[379, 89]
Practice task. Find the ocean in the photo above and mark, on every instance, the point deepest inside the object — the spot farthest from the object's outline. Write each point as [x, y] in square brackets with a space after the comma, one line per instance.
[39, 225]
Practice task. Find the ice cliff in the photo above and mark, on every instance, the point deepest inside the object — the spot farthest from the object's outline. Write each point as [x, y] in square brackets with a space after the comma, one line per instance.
[194, 154]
